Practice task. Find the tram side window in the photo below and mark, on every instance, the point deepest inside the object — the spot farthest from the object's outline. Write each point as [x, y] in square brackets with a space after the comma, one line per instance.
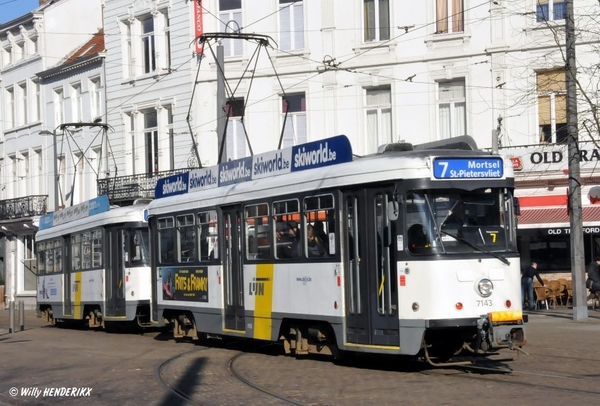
[57, 256]
[186, 235]
[86, 248]
[76, 252]
[287, 231]
[418, 224]
[207, 235]
[256, 219]
[136, 244]
[97, 248]
[319, 221]
[166, 240]
[41, 258]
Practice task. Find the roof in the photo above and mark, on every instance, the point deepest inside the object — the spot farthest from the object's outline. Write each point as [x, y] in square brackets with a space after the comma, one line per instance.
[92, 47]
[557, 216]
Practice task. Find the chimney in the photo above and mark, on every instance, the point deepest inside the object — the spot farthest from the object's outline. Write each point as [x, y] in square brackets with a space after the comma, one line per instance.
[42, 2]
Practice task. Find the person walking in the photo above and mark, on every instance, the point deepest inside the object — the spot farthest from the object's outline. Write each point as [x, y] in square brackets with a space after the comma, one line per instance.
[527, 284]
[593, 279]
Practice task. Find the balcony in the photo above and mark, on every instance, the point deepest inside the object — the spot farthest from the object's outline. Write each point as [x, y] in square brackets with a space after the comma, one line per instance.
[124, 190]
[23, 207]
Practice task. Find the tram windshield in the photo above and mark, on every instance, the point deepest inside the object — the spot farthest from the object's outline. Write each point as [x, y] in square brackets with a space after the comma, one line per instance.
[137, 246]
[457, 221]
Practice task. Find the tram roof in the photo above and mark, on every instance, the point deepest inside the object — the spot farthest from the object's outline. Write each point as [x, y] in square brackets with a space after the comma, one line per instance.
[116, 215]
[380, 167]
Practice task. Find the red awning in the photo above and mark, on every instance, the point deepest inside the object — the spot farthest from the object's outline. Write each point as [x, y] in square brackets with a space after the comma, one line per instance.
[555, 215]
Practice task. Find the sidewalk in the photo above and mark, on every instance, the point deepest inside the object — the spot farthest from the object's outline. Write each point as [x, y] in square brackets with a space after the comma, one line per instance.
[564, 312]
[30, 320]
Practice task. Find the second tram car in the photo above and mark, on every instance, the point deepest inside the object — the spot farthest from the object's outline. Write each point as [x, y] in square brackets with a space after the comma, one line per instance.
[407, 252]
[94, 264]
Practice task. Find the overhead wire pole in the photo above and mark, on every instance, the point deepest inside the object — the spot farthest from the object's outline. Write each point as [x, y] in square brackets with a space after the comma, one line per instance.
[580, 311]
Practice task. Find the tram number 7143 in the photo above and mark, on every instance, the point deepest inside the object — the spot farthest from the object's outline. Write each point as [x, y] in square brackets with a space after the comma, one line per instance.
[484, 303]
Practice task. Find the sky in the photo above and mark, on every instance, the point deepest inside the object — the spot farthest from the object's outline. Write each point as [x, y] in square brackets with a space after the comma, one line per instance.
[11, 9]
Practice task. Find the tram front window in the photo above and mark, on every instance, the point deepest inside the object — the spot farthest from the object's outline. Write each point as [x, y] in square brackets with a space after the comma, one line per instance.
[137, 246]
[456, 221]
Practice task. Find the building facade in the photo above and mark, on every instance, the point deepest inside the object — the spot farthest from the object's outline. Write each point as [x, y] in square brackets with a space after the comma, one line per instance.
[294, 71]
[34, 48]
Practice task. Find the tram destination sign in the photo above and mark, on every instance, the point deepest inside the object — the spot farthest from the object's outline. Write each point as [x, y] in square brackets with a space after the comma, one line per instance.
[315, 154]
[468, 168]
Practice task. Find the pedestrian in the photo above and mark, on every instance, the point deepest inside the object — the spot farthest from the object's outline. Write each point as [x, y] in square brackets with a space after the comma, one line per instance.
[527, 284]
[593, 279]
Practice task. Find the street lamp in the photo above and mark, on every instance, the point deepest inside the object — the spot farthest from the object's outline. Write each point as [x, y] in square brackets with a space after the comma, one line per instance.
[55, 158]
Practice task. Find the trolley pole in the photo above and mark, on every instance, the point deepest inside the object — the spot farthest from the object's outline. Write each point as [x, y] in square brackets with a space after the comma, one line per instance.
[580, 311]
[221, 111]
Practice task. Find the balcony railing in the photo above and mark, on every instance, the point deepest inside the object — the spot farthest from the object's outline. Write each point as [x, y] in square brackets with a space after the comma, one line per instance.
[21, 207]
[126, 189]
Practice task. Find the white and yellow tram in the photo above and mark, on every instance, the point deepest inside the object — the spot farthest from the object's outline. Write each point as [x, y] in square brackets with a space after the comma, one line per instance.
[94, 264]
[418, 251]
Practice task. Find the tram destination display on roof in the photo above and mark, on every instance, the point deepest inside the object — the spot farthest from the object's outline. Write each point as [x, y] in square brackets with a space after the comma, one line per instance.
[315, 154]
[466, 168]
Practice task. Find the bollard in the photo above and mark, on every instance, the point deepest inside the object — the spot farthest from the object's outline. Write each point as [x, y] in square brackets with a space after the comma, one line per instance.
[21, 315]
[11, 317]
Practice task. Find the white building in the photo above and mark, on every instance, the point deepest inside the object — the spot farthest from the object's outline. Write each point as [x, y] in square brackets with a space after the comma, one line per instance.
[376, 71]
[34, 61]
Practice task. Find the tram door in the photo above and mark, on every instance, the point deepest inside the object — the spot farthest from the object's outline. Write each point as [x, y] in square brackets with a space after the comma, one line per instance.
[65, 261]
[370, 264]
[115, 273]
[233, 271]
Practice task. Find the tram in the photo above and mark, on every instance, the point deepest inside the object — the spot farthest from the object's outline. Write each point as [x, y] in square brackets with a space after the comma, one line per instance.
[417, 254]
[93, 264]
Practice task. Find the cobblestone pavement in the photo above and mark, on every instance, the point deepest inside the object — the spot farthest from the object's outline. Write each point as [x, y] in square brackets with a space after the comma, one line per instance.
[123, 369]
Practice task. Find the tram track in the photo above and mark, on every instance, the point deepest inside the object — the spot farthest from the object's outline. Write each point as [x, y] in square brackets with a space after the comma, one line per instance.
[161, 377]
[548, 381]
[164, 377]
[251, 384]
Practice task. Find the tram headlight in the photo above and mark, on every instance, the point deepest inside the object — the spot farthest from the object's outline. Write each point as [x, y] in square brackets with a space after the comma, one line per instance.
[485, 287]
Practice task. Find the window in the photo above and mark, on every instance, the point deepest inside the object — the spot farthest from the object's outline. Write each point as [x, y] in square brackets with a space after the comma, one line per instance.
[36, 107]
[56, 257]
[4, 56]
[235, 134]
[287, 231]
[452, 108]
[171, 135]
[151, 141]
[59, 107]
[294, 132]
[24, 173]
[148, 46]
[550, 10]
[449, 16]
[41, 258]
[230, 15]
[258, 245]
[29, 269]
[146, 42]
[137, 245]
[76, 103]
[552, 106]
[207, 235]
[76, 252]
[23, 107]
[291, 25]
[376, 20]
[97, 248]
[18, 51]
[166, 240]
[38, 164]
[95, 98]
[378, 118]
[186, 235]
[319, 221]
[10, 108]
